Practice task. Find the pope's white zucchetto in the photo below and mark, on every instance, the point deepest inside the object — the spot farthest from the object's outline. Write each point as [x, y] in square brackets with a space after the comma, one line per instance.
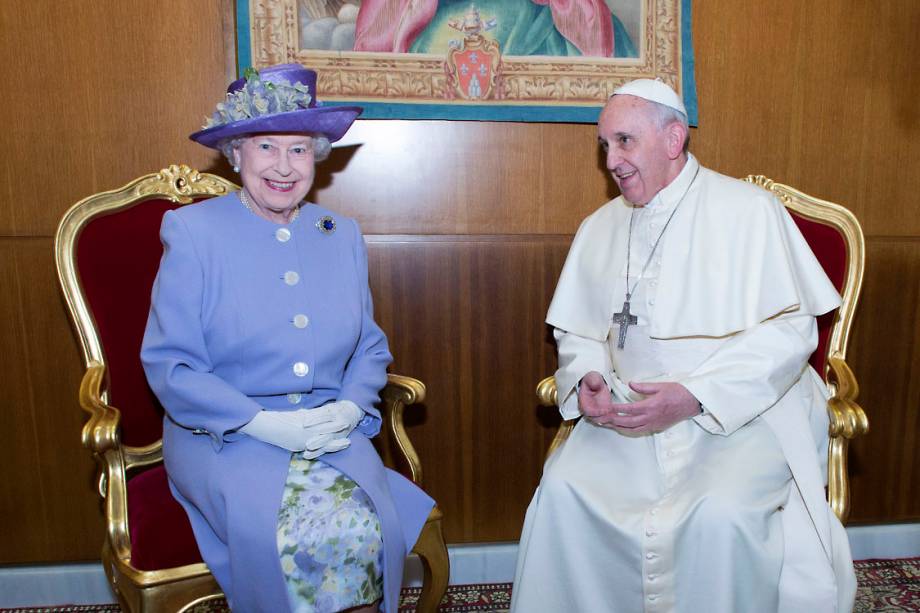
[653, 90]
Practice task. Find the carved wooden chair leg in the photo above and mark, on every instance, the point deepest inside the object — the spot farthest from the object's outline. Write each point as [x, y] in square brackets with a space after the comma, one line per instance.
[432, 551]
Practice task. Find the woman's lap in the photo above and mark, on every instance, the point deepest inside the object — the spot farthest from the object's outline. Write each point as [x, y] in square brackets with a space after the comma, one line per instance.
[329, 540]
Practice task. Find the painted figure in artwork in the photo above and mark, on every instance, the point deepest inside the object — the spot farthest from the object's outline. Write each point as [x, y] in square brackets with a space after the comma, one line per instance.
[555, 28]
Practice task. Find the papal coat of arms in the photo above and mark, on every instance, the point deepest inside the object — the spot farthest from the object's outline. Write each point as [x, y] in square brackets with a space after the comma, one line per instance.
[473, 65]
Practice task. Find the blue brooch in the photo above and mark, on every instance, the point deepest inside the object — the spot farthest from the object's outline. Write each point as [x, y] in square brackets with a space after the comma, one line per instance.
[325, 224]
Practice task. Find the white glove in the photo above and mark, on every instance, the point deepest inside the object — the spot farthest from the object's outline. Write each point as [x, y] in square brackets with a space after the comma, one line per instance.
[282, 429]
[321, 430]
[329, 427]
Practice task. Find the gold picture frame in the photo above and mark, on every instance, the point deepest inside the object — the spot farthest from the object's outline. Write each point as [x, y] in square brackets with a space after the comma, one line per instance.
[420, 85]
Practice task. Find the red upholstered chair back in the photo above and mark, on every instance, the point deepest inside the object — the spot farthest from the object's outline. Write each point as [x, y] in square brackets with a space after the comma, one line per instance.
[108, 252]
[118, 255]
[836, 239]
[830, 248]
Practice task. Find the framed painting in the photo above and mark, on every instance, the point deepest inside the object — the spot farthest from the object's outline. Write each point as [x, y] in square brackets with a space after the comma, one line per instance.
[506, 60]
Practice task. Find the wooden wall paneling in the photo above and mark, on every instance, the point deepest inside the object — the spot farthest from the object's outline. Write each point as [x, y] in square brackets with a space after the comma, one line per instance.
[805, 95]
[417, 291]
[885, 355]
[47, 505]
[465, 315]
[464, 177]
[104, 91]
[511, 354]
[740, 52]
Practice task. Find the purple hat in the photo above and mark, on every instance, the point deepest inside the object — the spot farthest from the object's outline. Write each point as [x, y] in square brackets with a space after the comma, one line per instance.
[276, 99]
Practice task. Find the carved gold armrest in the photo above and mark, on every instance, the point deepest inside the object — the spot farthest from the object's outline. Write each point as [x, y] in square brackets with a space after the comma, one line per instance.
[399, 393]
[847, 418]
[548, 396]
[847, 421]
[546, 392]
[100, 433]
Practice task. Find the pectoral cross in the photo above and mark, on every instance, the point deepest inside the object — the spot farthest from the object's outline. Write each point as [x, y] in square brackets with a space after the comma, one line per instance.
[624, 320]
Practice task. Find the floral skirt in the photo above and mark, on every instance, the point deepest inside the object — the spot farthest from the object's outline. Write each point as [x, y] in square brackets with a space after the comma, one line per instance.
[329, 539]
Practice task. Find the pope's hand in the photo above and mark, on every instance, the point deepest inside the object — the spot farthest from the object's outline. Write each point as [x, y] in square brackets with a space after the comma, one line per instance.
[665, 404]
[594, 396]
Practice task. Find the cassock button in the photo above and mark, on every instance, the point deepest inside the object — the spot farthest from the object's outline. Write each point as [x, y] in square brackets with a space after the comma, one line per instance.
[301, 320]
[283, 235]
[650, 533]
[291, 277]
[294, 398]
[650, 556]
[301, 369]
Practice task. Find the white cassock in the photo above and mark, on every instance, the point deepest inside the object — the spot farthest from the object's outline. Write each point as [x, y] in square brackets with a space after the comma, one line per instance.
[725, 512]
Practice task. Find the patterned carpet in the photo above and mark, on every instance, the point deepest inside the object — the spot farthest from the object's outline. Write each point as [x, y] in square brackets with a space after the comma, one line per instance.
[885, 586]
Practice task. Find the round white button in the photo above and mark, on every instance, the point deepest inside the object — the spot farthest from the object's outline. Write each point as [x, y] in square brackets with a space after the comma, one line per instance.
[294, 398]
[283, 235]
[291, 277]
[301, 320]
[301, 369]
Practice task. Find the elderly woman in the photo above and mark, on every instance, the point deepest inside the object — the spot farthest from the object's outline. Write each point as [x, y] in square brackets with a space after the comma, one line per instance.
[262, 347]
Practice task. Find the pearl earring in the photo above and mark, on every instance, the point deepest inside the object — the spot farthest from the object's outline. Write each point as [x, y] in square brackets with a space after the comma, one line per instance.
[236, 169]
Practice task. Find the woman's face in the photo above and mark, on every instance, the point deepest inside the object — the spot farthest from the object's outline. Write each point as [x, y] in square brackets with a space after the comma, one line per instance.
[277, 171]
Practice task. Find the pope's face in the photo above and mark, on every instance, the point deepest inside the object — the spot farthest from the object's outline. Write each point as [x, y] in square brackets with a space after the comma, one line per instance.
[639, 154]
[277, 171]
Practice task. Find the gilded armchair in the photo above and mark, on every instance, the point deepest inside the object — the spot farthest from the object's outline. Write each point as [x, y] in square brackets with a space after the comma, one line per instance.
[836, 238]
[107, 252]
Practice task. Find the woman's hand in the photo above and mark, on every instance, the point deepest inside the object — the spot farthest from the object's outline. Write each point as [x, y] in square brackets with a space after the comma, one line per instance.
[316, 431]
[328, 427]
[282, 429]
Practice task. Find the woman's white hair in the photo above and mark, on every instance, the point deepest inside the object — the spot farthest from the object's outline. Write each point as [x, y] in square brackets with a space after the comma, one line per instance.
[321, 147]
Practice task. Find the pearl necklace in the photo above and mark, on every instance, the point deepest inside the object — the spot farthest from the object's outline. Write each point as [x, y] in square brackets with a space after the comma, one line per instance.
[244, 199]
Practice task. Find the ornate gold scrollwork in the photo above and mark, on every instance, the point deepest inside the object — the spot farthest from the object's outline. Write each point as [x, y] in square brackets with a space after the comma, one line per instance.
[180, 183]
[100, 433]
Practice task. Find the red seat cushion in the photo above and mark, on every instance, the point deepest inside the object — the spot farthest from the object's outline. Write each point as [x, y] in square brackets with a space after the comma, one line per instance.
[161, 536]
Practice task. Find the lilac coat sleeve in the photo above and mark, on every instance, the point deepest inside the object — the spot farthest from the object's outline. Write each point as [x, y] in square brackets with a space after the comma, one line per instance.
[174, 353]
[365, 373]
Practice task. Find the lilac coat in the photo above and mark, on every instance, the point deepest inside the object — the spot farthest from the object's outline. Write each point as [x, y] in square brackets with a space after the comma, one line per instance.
[221, 345]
